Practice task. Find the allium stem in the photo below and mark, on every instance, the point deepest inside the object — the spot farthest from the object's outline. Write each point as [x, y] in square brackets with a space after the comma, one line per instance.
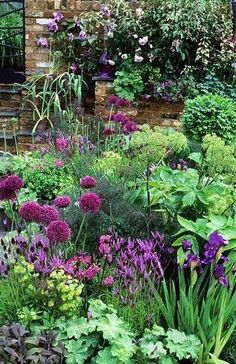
[80, 230]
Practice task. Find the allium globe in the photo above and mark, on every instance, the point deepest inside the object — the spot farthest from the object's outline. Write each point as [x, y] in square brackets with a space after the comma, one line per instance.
[88, 182]
[90, 202]
[48, 214]
[62, 201]
[123, 102]
[108, 131]
[9, 187]
[108, 281]
[58, 232]
[30, 211]
[113, 99]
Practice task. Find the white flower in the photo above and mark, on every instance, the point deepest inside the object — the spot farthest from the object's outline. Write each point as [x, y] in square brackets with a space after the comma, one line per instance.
[137, 50]
[124, 56]
[138, 59]
[110, 34]
[143, 41]
[139, 12]
[151, 46]
[112, 63]
[135, 36]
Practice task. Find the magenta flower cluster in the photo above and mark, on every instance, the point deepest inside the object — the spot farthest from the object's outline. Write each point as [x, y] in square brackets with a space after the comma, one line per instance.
[10, 187]
[90, 202]
[32, 211]
[117, 101]
[62, 201]
[88, 182]
[58, 232]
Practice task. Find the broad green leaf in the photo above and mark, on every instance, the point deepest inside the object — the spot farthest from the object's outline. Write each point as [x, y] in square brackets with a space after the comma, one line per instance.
[189, 225]
[196, 157]
[104, 357]
[189, 199]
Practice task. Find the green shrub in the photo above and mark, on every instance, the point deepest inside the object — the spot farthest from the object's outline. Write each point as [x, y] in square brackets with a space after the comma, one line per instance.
[210, 114]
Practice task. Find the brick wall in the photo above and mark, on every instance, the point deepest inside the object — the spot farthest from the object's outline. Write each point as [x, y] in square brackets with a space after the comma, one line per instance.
[37, 15]
[153, 112]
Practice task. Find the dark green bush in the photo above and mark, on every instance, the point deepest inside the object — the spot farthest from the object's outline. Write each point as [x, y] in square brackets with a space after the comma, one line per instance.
[209, 114]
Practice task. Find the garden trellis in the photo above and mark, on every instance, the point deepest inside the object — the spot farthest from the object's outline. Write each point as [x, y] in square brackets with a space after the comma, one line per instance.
[12, 34]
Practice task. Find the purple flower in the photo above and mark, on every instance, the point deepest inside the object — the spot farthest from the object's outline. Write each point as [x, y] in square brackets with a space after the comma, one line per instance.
[88, 182]
[61, 144]
[9, 187]
[82, 35]
[30, 211]
[113, 99]
[42, 42]
[219, 275]
[91, 272]
[187, 245]
[74, 67]
[105, 11]
[48, 214]
[58, 16]
[90, 202]
[211, 248]
[108, 132]
[193, 261]
[59, 164]
[108, 281]
[53, 26]
[123, 102]
[58, 232]
[130, 127]
[62, 201]
[120, 117]
[215, 239]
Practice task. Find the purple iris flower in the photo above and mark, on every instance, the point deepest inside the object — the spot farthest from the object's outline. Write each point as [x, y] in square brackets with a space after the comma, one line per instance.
[105, 11]
[187, 245]
[53, 26]
[219, 275]
[82, 35]
[193, 261]
[58, 16]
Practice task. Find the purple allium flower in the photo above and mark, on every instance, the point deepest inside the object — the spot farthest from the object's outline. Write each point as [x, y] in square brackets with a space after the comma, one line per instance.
[58, 232]
[113, 99]
[42, 42]
[120, 117]
[9, 187]
[187, 245]
[105, 11]
[59, 164]
[30, 211]
[90, 202]
[48, 214]
[53, 26]
[74, 67]
[58, 16]
[108, 281]
[123, 102]
[219, 275]
[88, 182]
[61, 144]
[193, 261]
[130, 127]
[62, 201]
[108, 132]
[82, 35]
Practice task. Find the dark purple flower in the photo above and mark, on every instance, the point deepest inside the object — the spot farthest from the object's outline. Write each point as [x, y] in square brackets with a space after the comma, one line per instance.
[130, 127]
[108, 281]
[30, 211]
[58, 16]
[42, 42]
[108, 131]
[9, 187]
[58, 232]
[90, 202]
[123, 102]
[120, 117]
[193, 261]
[48, 214]
[62, 201]
[219, 275]
[88, 182]
[187, 245]
[215, 239]
[53, 26]
[61, 144]
[211, 248]
[113, 99]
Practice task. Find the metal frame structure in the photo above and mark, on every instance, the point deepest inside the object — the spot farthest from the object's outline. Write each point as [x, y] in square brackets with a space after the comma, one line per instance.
[14, 30]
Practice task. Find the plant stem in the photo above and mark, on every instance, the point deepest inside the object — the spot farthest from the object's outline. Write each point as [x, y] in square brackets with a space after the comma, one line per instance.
[79, 232]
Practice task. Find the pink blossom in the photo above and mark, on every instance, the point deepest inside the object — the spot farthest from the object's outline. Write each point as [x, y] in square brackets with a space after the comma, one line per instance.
[90, 202]
[108, 281]
[88, 182]
[59, 164]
